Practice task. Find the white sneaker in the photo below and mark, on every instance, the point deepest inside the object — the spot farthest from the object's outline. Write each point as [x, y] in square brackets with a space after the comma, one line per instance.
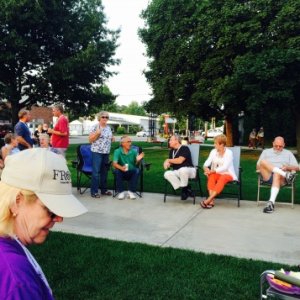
[131, 195]
[121, 196]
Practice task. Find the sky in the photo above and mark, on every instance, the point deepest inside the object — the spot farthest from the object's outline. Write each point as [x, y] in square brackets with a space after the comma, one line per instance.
[130, 83]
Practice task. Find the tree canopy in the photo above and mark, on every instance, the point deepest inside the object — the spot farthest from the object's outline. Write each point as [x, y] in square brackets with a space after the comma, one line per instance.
[218, 58]
[55, 51]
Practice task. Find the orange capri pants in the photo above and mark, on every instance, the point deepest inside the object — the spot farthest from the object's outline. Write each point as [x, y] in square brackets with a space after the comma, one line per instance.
[216, 182]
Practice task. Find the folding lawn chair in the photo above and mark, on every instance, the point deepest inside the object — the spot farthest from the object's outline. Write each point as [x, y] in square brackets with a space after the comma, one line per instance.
[261, 184]
[279, 285]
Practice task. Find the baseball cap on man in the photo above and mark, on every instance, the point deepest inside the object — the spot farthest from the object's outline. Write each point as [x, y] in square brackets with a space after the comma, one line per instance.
[46, 174]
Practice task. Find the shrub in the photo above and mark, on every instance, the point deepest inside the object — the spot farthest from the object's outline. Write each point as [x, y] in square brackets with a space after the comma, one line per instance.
[121, 130]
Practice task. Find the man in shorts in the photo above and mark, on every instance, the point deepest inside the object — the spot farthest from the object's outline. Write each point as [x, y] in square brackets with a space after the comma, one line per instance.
[275, 166]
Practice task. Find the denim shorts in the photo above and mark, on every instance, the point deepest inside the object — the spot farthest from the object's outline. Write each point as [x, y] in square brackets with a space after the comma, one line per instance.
[269, 181]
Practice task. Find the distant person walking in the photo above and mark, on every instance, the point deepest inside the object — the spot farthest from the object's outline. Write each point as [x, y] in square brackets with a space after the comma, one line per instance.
[22, 131]
[60, 132]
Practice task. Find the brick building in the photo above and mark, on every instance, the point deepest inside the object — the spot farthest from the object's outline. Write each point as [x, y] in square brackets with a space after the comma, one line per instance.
[41, 114]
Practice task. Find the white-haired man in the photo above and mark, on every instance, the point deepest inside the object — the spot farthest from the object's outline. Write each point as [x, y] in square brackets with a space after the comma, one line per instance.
[275, 166]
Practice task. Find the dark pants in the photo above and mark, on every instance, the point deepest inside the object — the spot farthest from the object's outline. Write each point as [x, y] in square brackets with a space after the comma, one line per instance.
[132, 176]
[99, 173]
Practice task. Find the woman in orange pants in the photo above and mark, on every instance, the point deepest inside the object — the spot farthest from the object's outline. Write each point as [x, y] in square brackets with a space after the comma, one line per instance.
[219, 170]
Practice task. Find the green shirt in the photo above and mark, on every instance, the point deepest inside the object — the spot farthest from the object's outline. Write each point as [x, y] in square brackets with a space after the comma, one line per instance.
[125, 158]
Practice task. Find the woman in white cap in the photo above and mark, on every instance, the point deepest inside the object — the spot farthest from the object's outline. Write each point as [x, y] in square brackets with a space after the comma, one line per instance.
[35, 193]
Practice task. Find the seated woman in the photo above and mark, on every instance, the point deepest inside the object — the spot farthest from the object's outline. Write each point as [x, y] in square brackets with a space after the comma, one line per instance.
[11, 145]
[219, 169]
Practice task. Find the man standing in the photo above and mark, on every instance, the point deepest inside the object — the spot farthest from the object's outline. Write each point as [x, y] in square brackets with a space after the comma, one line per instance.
[125, 162]
[180, 160]
[22, 131]
[60, 132]
[275, 166]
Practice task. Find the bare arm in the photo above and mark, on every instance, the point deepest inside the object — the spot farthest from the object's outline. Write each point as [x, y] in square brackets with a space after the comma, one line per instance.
[23, 142]
[119, 167]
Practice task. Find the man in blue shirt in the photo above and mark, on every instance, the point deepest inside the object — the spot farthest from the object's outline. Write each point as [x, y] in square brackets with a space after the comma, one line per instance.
[22, 131]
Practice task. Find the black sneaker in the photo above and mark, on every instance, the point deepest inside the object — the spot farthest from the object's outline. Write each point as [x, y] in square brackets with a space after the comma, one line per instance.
[269, 208]
[184, 194]
[290, 177]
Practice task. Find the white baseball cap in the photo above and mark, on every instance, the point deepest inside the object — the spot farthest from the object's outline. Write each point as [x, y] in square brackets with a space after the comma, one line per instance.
[46, 174]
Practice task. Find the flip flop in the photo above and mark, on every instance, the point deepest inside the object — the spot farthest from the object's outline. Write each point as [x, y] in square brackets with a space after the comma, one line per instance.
[202, 204]
[209, 206]
[206, 206]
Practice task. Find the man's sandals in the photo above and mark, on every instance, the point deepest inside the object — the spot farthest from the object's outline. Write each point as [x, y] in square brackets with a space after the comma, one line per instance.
[206, 206]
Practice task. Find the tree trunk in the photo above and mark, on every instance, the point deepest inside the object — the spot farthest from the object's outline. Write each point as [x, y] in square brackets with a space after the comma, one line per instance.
[228, 128]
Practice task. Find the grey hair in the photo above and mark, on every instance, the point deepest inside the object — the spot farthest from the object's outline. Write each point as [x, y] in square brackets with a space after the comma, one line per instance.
[123, 138]
[178, 138]
[59, 107]
[102, 113]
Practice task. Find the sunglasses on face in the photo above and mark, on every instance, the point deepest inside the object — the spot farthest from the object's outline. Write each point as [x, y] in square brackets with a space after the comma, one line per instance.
[104, 117]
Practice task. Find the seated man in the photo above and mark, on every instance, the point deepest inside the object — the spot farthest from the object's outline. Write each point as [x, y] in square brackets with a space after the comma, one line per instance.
[125, 162]
[275, 166]
[180, 160]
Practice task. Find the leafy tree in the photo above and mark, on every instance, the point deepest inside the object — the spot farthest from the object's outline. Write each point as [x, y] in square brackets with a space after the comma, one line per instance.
[52, 50]
[134, 109]
[217, 58]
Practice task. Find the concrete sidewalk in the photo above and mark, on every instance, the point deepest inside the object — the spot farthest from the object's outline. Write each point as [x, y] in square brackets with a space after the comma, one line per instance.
[225, 229]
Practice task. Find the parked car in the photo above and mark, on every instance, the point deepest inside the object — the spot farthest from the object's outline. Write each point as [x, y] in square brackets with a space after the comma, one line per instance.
[142, 134]
[211, 133]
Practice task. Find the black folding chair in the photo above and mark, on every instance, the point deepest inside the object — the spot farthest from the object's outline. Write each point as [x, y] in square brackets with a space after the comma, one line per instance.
[143, 166]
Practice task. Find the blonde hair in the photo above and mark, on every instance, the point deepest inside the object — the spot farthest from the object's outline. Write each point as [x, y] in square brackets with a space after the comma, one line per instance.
[8, 196]
[221, 139]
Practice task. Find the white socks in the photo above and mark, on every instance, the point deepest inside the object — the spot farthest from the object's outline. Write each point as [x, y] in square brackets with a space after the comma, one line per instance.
[279, 171]
[274, 193]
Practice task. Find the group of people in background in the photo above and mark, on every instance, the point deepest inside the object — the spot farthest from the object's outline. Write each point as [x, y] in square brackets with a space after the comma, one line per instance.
[257, 139]
[31, 205]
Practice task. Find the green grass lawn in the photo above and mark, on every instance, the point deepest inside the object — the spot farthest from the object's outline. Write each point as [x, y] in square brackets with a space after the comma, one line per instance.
[153, 180]
[79, 267]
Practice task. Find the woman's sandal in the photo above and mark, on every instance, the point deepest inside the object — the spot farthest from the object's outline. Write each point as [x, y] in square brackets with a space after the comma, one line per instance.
[206, 206]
